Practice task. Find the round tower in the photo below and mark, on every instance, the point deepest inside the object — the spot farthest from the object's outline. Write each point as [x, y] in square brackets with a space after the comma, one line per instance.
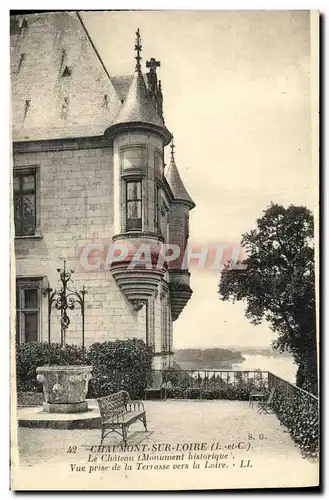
[138, 135]
[179, 276]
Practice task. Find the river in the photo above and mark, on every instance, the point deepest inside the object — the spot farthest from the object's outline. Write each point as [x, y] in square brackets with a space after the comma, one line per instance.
[283, 367]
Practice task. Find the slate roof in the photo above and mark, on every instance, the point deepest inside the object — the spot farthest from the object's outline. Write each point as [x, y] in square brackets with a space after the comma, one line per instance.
[122, 84]
[138, 108]
[60, 87]
[46, 104]
[176, 184]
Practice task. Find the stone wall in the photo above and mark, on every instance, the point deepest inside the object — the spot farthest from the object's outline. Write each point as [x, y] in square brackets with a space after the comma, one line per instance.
[76, 208]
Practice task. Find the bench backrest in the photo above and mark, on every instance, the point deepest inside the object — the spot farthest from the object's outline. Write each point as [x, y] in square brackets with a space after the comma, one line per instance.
[114, 404]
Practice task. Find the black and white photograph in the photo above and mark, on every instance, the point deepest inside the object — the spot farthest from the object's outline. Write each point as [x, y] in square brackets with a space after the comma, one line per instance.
[164, 239]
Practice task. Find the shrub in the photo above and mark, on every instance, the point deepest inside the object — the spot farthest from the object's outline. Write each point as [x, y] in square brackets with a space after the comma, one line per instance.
[177, 378]
[301, 416]
[119, 365]
[210, 389]
[33, 354]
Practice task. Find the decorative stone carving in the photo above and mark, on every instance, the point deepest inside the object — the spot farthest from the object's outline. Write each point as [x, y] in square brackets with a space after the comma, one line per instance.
[136, 284]
[138, 304]
[64, 385]
[180, 291]
[138, 280]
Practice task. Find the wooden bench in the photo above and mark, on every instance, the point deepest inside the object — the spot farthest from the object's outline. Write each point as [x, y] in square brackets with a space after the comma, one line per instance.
[118, 412]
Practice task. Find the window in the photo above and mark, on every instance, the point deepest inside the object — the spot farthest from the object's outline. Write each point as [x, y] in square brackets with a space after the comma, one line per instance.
[157, 198]
[150, 333]
[158, 163]
[133, 205]
[133, 157]
[164, 324]
[162, 214]
[27, 310]
[186, 229]
[25, 203]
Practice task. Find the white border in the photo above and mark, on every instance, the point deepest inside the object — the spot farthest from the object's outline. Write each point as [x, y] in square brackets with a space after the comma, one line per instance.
[321, 5]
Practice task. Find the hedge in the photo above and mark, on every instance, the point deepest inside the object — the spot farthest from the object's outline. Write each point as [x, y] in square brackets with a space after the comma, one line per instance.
[122, 364]
[119, 365]
[184, 385]
[238, 392]
[301, 417]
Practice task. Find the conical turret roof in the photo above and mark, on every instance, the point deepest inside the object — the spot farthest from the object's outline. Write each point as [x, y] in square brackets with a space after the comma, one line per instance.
[138, 111]
[176, 184]
[137, 106]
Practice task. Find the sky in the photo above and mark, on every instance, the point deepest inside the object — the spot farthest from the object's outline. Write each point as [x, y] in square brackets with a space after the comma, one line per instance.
[237, 97]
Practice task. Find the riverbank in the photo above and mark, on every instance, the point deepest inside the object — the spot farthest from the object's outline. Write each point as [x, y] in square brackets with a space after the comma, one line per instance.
[282, 366]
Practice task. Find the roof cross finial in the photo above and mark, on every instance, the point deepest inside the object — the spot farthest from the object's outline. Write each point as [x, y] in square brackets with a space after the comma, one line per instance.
[172, 147]
[138, 48]
[153, 64]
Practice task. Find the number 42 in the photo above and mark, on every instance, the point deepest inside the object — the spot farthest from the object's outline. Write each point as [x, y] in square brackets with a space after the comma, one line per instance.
[72, 449]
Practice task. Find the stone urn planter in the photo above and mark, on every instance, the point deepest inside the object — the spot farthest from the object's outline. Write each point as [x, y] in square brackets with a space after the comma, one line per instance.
[64, 387]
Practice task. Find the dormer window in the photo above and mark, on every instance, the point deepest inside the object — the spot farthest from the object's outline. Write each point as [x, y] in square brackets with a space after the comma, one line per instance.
[134, 205]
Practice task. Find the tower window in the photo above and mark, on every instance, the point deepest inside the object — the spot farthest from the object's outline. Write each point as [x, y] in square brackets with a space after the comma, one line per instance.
[133, 205]
[164, 324]
[158, 163]
[162, 214]
[133, 157]
[157, 198]
[186, 229]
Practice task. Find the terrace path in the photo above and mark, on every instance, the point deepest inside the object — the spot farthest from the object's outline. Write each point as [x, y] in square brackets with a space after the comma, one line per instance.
[276, 461]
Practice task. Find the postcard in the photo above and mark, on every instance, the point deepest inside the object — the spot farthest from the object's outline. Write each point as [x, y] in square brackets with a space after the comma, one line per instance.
[164, 250]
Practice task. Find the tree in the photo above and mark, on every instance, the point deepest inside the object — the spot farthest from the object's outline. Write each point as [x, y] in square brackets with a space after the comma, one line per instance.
[278, 284]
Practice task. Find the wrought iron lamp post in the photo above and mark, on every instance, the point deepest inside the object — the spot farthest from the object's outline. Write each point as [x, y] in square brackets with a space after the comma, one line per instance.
[65, 386]
[64, 298]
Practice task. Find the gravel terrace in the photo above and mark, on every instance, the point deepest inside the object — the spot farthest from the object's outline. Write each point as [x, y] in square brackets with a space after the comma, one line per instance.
[274, 458]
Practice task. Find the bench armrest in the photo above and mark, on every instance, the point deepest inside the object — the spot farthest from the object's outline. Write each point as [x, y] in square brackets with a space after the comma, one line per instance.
[134, 406]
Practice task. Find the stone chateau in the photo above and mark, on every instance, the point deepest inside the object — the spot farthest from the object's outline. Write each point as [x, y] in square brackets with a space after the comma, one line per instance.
[88, 172]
